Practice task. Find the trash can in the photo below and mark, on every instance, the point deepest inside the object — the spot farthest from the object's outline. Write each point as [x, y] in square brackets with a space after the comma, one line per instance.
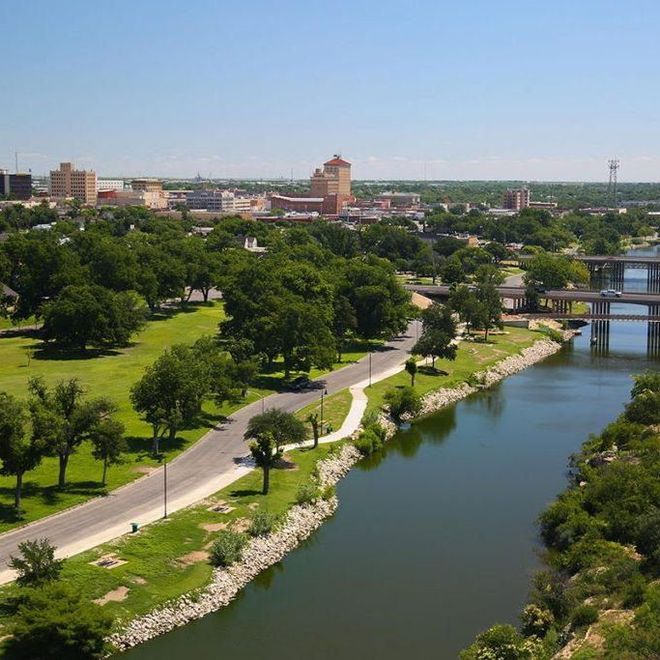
[134, 527]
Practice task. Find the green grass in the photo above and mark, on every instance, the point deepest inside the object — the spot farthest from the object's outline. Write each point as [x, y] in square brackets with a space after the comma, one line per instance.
[154, 571]
[471, 356]
[335, 410]
[111, 374]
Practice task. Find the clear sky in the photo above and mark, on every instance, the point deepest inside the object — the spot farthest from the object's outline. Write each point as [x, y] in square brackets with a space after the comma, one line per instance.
[468, 89]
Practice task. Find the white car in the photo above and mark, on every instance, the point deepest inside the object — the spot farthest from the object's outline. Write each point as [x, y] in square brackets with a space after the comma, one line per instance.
[610, 293]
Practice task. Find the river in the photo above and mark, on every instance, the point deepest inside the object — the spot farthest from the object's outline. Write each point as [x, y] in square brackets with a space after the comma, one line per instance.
[435, 539]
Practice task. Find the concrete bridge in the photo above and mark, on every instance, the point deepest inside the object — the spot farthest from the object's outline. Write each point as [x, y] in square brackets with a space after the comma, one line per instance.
[599, 313]
[615, 265]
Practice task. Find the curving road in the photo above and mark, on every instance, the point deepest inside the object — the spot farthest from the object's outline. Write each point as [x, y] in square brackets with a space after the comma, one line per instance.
[210, 464]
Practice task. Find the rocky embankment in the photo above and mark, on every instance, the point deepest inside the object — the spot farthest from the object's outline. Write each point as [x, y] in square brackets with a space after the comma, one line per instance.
[433, 401]
[262, 552]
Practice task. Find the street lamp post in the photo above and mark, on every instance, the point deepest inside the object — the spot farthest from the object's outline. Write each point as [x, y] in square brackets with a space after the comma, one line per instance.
[369, 368]
[165, 488]
[323, 394]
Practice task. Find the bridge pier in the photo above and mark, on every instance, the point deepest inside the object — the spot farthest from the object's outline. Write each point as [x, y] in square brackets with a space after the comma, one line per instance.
[561, 306]
[653, 333]
[653, 278]
[600, 328]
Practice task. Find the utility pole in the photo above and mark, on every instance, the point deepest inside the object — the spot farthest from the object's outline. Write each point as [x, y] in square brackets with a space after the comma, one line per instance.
[369, 368]
[165, 488]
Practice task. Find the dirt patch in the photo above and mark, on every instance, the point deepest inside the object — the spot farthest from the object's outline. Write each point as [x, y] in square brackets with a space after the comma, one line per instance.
[193, 557]
[220, 507]
[139, 580]
[213, 527]
[253, 506]
[114, 596]
[240, 525]
[144, 469]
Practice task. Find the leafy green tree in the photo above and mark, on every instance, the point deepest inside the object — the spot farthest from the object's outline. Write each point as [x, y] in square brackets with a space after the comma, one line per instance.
[438, 334]
[83, 315]
[108, 443]
[343, 322]
[62, 419]
[57, 622]
[283, 427]
[171, 391]
[501, 642]
[649, 381]
[19, 452]
[266, 453]
[37, 564]
[644, 408]
[411, 368]
[554, 272]
[491, 305]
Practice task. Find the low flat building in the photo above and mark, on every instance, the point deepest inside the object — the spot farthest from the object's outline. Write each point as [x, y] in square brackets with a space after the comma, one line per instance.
[147, 185]
[399, 200]
[109, 184]
[155, 200]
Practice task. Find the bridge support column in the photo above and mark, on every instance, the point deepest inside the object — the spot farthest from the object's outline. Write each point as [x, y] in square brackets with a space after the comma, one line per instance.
[600, 327]
[653, 332]
[618, 272]
[653, 278]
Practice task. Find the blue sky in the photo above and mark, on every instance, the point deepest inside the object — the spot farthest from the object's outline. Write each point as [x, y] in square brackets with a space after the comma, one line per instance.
[482, 89]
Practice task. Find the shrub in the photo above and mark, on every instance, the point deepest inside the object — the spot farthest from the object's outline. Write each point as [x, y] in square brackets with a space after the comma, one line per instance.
[403, 401]
[551, 334]
[328, 492]
[644, 408]
[368, 442]
[228, 548]
[307, 492]
[536, 620]
[262, 523]
[37, 564]
[584, 615]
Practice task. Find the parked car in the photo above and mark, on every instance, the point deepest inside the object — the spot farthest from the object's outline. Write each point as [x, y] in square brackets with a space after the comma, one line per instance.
[610, 293]
[300, 383]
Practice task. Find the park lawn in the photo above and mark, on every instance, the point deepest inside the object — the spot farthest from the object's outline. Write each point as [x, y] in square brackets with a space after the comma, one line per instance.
[111, 374]
[335, 410]
[159, 565]
[472, 356]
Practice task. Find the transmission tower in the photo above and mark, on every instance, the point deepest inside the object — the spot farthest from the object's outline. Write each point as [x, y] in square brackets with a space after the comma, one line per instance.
[611, 186]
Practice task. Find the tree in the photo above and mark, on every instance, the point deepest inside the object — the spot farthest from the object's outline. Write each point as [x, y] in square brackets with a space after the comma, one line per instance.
[108, 443]
[491, 306]
[18, 452]
[501, 642]
[62, 419]
[171, 391]
[649, 381]
[266, 453]
[438, 334]
[313, 420]
[554, 272]
[644, 408]
[343, 322]
[411, 368]
[57, 622]
[283, 427]
[37, 564]
[83, 315]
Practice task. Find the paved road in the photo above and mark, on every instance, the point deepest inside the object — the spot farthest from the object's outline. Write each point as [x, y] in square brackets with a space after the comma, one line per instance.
[211, 463]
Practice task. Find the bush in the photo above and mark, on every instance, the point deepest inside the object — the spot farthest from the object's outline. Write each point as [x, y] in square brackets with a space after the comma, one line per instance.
[228, 548]
[262, 523]
[37, 564]
[536, 620]
[55, 621]
[368, 442]
[328, 493]
[307, 492]
[644, 408]
[551, 333]
[403, 401]
[584, 615]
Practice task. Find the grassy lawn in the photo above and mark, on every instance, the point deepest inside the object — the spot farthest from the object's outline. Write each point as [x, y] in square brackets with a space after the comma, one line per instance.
[471, 356]
[335, 409]
[111, 374]
[159, 564]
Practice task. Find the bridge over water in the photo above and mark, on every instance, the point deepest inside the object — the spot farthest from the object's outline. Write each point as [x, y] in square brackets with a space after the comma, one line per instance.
[599, 313]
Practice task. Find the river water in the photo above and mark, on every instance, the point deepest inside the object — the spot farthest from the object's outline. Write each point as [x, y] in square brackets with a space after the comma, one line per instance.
[435, 539]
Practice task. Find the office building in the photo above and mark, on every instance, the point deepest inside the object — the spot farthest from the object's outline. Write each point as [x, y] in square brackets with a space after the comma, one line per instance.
[147, 185]
[516, 199]
[219, 201]
[15, 186]
[334, 178]
[155, 199]
[109, 184]
[79, 184]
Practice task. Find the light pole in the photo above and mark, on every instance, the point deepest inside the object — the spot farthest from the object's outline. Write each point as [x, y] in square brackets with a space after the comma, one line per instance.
[323, 394]
[165, 488]
[369, 368]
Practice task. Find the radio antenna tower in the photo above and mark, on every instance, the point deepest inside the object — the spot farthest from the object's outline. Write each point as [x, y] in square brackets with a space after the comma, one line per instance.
[611, 186]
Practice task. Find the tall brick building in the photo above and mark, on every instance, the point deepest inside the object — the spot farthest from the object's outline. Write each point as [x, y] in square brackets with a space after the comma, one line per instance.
[67, 182]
